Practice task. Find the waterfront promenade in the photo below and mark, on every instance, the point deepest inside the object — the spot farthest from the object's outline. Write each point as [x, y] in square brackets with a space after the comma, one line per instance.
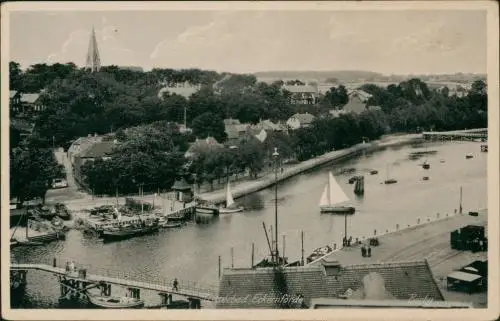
[429, 241]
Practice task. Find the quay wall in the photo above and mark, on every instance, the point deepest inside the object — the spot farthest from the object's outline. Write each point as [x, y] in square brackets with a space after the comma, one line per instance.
[243, 189]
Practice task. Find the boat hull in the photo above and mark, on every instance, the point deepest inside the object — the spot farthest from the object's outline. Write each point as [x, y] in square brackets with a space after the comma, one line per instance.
[338, 209]
[115, 302]
[224, 210]
[109, 235]
[205, 213]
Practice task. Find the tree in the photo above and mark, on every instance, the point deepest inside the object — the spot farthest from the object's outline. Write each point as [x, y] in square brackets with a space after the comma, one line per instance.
[15, 76]
[251, 151]
[209, 124]
[336, 97]
[31, 172]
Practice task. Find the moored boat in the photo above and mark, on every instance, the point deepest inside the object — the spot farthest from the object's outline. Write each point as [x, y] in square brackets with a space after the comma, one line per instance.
[332, 196]
[122, 232]
[231, 206]
[388, 180]
[426, 165]
[205, 211]
[468, 156]
[115, 302]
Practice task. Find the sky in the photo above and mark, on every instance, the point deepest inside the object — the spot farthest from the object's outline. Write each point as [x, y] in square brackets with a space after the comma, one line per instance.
[390, 42]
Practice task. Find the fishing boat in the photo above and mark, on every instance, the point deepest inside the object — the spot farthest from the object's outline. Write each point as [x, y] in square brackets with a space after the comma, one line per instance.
[123, 232]
[231, 206]
[389, 180]
[164, 222]
[115, 302]
[359, 188]
[332, 196]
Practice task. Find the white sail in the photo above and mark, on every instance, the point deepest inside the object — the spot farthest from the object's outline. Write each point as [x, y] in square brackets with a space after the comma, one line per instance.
[229, 196]
[336, 194]
[324, 197]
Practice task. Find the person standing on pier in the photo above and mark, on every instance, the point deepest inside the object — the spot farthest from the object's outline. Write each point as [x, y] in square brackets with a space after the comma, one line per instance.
[176, 283]
[363, 251]
[369, 251]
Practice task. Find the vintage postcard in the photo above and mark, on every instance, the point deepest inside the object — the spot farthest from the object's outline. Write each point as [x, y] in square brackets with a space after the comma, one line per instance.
[250, 160]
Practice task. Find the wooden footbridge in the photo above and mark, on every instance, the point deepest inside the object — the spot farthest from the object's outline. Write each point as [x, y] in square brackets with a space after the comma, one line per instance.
[76, 283]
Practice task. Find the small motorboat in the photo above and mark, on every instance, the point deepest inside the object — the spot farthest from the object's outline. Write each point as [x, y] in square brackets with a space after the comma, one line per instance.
[373, 172]
[425, 178]
[390, 181]
[115, 302]
[426, 165]
[468, 156]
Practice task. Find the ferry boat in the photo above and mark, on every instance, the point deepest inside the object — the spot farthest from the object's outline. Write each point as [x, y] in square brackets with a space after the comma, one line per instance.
[115, 302]
[332, 196]
[231, 206]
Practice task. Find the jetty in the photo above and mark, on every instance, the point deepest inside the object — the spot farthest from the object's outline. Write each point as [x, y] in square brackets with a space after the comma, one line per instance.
[76, 283]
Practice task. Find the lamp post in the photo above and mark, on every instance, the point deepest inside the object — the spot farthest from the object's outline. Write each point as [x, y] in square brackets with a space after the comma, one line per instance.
[275, 157]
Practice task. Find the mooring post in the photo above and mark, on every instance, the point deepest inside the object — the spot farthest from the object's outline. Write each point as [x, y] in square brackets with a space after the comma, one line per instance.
[54, 262]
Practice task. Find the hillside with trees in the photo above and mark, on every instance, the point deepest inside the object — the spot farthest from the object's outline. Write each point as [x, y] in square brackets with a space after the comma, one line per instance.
[151, 148]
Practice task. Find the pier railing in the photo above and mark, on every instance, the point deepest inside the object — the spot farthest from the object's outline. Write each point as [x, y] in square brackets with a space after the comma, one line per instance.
[156, 282]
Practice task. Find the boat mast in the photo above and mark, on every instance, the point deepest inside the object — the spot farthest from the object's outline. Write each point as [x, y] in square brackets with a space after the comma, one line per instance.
[302, 241]
[267, 237]
[345, 226]
[460, 207]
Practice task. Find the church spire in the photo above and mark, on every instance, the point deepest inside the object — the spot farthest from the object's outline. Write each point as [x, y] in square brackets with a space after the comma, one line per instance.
[93, 61]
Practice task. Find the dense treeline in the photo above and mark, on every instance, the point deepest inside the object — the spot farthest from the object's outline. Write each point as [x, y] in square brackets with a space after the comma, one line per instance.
[78, 103]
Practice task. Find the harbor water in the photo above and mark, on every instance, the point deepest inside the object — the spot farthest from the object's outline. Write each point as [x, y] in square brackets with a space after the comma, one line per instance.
[191, 253]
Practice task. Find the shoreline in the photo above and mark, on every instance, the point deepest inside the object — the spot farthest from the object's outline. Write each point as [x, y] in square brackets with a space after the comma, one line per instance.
[250, 187]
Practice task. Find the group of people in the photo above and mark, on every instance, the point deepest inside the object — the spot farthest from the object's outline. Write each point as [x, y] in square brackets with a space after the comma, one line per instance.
[347, 241]
[366, 251]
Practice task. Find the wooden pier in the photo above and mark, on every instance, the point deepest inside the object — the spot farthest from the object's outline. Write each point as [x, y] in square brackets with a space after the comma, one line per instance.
[75, 284]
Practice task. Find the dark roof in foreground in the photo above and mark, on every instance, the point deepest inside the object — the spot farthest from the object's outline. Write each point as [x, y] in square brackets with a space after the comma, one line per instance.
[382, 281]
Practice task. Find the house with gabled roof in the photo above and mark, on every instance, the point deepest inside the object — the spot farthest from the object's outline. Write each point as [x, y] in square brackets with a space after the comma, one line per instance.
[182, 89]
[302, 94]
[381, 281]
[300, 121]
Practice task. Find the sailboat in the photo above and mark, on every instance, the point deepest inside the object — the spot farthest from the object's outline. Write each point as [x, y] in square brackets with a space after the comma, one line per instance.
[389, 180]
[230, 204]
[332, 196]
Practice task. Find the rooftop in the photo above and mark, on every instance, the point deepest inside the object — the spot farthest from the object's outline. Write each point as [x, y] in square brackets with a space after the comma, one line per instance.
[99, 149]
[29, 98]
[300, 88]
[395, 280]
[304, 118]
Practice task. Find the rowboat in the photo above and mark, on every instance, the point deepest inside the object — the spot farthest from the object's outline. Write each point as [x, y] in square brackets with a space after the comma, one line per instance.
[115, 302]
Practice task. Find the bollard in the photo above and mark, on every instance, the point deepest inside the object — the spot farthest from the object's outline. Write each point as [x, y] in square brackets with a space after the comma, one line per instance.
[374, 232]
[54, 262]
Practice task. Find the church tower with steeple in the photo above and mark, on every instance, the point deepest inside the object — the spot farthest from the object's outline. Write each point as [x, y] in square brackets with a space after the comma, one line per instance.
[93, 62]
